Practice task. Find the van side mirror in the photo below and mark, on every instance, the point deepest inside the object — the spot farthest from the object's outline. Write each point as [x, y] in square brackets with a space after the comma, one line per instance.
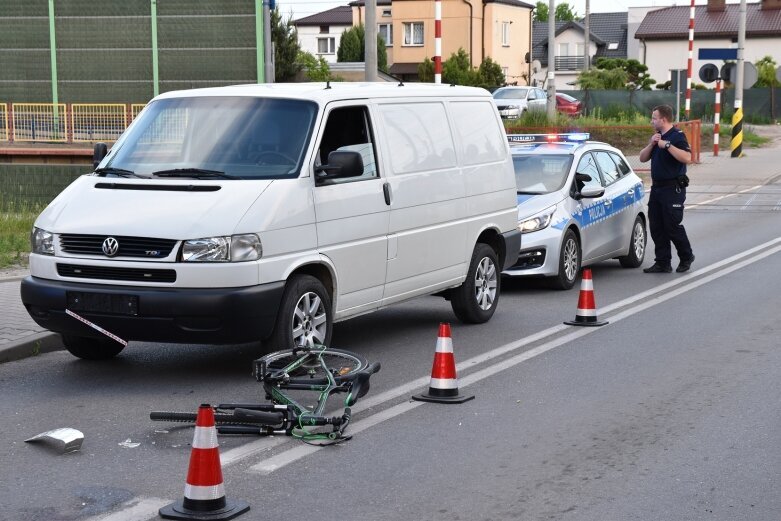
[341, 163]
[98, 153]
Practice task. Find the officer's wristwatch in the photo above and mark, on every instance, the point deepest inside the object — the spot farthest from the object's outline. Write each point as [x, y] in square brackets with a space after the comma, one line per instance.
[667, 145]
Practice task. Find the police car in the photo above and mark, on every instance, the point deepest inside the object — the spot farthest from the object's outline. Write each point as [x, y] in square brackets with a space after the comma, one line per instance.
[579, 203]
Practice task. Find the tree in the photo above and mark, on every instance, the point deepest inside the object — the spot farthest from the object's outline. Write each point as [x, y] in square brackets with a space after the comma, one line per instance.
[286, 48]
[426, 71]
[564, 12]
[458, 70]
[766, 73]
[541, 12]
[352, 47]
[491, 73]
[317, 69]
[616, 73]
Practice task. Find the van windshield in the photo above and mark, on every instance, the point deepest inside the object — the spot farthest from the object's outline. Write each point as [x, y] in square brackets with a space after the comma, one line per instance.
[240, 137]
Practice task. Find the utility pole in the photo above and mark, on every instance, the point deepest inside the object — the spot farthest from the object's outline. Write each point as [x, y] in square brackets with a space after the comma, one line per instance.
[370, 42]
[551, 60]
[737, 118]
[587, 43]
[268, 51]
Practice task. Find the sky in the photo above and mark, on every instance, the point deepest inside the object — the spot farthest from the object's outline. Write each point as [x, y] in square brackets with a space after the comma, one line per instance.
[302, 8]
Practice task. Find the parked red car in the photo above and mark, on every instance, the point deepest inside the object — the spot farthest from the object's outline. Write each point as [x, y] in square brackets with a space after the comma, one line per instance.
[568, 105]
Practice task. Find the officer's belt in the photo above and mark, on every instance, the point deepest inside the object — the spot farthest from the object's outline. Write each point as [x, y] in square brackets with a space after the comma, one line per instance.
[664, 183]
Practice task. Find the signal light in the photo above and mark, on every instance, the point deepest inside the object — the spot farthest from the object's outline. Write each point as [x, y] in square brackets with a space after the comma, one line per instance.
[570, 137]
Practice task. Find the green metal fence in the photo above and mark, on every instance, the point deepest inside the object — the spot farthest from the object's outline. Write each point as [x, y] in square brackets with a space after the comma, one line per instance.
[34, 186]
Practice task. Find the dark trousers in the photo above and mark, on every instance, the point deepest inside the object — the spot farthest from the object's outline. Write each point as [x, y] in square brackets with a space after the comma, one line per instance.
[665, 213]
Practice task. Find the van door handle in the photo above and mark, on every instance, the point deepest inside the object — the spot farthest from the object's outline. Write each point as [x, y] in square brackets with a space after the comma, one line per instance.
[386, 191]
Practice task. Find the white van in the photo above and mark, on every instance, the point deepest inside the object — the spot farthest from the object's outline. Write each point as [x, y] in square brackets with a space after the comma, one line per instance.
[270, 212]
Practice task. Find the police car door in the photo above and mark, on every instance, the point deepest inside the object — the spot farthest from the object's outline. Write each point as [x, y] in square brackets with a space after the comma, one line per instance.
[590, 213]
[618, 220]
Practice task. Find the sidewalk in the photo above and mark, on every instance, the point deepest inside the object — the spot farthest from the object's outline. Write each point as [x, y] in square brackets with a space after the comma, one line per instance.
[21, 337]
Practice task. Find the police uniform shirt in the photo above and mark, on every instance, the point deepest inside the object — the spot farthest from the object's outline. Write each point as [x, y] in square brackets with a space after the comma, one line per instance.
[663, 165]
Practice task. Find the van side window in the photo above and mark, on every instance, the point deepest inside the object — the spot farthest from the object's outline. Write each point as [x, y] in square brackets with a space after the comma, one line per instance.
[348, 128]
[609, 169]
[419, 136]
[478, 132]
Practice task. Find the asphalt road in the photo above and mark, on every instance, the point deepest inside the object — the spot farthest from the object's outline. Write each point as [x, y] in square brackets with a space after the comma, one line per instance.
[668, 412]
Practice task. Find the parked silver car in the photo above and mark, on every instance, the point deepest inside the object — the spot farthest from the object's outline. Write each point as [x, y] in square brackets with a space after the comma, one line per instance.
[512, 102]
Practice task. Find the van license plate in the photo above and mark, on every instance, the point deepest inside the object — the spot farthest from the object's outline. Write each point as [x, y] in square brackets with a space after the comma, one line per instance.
[102, 303]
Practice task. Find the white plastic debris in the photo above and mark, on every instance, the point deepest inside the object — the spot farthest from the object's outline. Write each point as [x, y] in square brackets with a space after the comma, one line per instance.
[65, 440]
[128, 444]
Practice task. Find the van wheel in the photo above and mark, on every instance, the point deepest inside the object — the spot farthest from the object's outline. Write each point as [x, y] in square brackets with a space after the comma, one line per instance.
[569, 262]
[305, 317]
[475, 301]
[637, 244]
[91, 348]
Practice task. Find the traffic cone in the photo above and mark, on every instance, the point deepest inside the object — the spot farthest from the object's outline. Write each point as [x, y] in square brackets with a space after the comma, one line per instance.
[586, 315]
[204, 494]
[444, 383]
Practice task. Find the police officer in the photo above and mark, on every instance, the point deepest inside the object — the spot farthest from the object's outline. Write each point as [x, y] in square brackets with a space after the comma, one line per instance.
[669, 153]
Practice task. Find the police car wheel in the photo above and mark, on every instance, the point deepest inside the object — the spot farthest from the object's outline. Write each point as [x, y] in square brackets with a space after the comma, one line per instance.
[637, 243]
[475, 301]
[569, 262]
[89, 348]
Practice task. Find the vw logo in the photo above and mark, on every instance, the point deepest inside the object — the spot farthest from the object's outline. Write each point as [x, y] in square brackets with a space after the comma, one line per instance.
[110, 246]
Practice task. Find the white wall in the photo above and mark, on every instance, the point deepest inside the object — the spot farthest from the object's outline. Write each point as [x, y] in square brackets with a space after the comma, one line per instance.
[308, 35]
[661, 56]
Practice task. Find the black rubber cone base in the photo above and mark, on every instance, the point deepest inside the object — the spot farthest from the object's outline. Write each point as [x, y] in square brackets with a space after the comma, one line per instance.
[232, 508]
[595, 323]
[425, 397]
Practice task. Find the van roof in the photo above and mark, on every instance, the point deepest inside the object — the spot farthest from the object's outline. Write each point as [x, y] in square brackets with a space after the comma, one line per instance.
[338, 90]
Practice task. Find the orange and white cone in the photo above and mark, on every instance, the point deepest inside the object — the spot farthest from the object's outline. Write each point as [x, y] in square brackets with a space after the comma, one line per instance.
[444, 382]
[204, 493]
[586, 315]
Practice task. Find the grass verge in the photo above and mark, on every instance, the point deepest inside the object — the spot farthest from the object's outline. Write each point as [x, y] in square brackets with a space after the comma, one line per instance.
[15, 229]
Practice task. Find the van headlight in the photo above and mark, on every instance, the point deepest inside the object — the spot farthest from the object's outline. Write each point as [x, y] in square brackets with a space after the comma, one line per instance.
[537, 222]
[237, 248]
[41, 242]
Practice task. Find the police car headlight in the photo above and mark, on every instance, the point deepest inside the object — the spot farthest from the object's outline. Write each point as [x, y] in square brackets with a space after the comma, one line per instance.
[537, 222]
[512, 106]
[41, 242]
[238, 248]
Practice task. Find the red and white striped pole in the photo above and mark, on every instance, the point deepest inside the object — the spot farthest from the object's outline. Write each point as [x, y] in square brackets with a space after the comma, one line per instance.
[716, 117]
[437, 41]
[689, 66]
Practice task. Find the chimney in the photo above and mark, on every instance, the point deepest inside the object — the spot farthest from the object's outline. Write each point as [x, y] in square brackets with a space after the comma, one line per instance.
[770, 4]
[716, 6]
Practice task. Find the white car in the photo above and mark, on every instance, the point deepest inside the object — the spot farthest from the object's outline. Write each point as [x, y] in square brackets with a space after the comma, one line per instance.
[579, 203]
[512, 102]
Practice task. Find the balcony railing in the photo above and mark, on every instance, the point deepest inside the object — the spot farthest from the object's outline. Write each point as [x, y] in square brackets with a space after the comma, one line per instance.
[568, 63]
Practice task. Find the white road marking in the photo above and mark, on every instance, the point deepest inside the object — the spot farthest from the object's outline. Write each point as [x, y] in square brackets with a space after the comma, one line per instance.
[139, 509]
[722, 197]
[289, 456]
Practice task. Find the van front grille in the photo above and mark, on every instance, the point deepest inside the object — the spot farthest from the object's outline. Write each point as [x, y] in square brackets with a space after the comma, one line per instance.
[112, 273]
[146, 247]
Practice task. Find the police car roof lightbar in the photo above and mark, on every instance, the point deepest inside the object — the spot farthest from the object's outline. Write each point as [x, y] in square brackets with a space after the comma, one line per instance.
[571, 137]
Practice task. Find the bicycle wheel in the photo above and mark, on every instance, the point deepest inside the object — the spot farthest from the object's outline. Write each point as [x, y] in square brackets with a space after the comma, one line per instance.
[339, 362]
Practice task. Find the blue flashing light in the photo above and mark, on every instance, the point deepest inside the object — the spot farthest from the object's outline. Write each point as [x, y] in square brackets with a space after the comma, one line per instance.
[571, 137]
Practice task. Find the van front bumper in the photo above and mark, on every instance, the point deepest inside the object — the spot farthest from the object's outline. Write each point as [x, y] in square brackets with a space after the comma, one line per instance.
[178, 315]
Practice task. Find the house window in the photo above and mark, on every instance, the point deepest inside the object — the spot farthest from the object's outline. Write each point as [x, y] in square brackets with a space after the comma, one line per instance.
[413, 33]
[386, 31]
[563, 49]
[506, 34]
[326, 45]
[578, 49]
[386, 12]
[324, 29]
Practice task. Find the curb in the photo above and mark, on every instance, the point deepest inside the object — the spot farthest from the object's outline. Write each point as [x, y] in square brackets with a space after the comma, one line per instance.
[32, 345]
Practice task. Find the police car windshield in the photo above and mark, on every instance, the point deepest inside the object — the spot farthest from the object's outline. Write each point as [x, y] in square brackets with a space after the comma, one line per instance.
[541, 173]
[239, 137]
